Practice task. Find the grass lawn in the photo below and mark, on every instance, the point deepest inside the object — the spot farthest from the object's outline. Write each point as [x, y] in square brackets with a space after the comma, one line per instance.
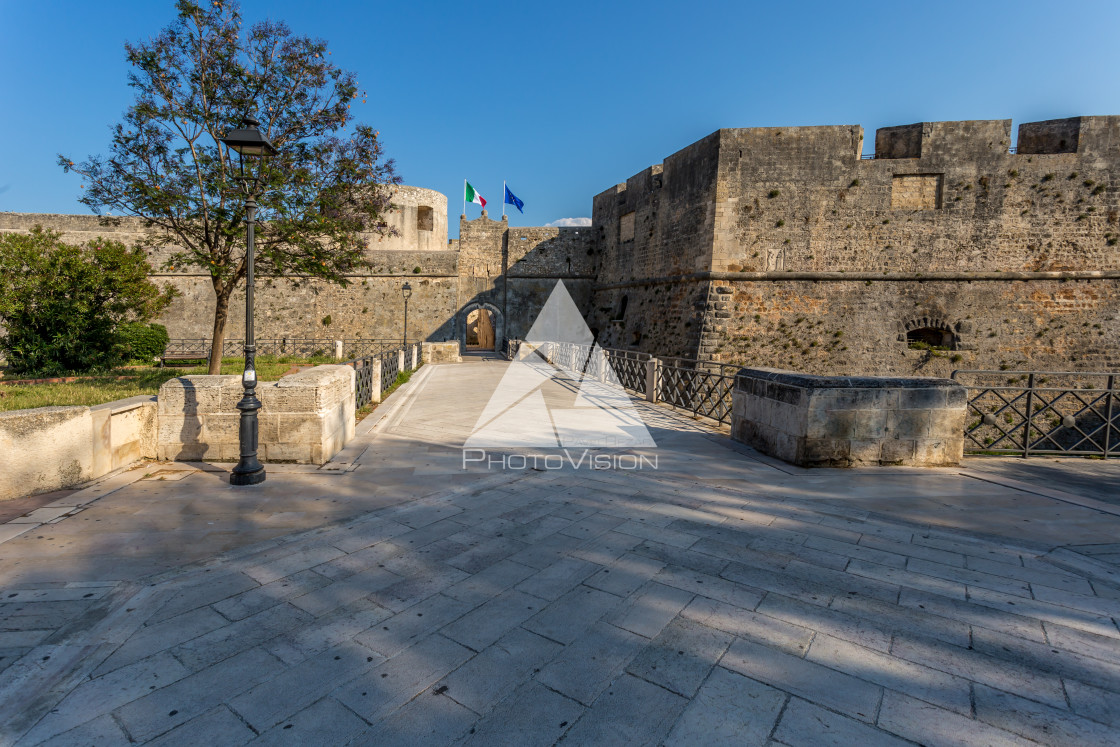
[129, 382]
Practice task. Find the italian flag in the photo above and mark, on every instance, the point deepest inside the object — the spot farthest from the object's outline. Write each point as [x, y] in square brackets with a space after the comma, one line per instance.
[473, 196]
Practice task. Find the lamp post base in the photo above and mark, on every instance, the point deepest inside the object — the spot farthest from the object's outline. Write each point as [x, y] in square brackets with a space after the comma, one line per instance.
[249, 470]
[247, 478]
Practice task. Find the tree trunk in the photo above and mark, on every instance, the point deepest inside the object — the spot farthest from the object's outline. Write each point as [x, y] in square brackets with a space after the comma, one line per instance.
[218, 341]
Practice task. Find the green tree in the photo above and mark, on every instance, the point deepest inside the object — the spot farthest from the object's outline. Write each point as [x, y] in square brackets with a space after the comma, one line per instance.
[62, 305]
[194, 82]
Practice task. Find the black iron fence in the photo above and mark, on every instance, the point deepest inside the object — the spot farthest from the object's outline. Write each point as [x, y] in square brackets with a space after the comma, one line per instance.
[629, 368]
[393, 361]
[363, 381]
[300, 346]
[701, 387]
[1042, 412]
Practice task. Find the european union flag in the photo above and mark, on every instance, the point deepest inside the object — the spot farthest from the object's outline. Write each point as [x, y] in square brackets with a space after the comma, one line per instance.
[511, 199]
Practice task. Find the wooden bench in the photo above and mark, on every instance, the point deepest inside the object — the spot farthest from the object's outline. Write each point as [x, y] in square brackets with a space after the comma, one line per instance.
[181, 356]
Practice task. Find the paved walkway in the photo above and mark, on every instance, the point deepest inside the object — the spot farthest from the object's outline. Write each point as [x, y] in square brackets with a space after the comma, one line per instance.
[722, 598]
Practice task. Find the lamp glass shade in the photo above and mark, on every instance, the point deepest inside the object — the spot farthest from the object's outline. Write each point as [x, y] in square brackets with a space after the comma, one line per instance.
[406, 289]
[248, 140]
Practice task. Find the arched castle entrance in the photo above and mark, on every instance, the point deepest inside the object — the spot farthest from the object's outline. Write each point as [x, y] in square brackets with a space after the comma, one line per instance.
[480, 326]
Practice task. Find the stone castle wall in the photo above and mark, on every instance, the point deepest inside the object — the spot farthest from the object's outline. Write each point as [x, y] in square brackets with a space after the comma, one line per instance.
[763, 246]
[822, 261]
[509, 270]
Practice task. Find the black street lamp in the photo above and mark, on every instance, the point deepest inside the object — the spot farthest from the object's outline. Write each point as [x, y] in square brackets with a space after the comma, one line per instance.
[248, 141]
[406, 291]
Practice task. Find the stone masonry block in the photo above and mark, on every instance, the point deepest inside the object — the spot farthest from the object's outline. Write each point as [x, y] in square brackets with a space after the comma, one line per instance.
[228, 451]
[898, 451]
[933, 452]
[922, 398]
[947, 423]
[218, 427]
[179, 428]
[825, 452]
[299, 428]
[187, 452]
[268, 426]
[299, 453]
[194, 393]
[448, 352]
[850, 424]
[289, 399]
[865, 451]
[908, 423]
[854, 399]
[956, 397]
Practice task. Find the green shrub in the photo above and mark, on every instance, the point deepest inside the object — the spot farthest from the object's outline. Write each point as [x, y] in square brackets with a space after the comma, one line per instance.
[142, 342]
[62, 304]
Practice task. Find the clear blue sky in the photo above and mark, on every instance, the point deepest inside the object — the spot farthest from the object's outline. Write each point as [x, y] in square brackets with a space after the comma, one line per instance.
[566, 99]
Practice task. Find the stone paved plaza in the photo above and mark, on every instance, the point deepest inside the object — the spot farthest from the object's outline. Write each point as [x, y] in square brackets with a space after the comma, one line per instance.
[392, 598]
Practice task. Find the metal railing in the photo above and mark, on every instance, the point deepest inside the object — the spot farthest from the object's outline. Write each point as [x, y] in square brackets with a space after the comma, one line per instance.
[629, 368]
[390, 369]
[363, 381]
[301, 346]
[702, 387]
[1042, 412]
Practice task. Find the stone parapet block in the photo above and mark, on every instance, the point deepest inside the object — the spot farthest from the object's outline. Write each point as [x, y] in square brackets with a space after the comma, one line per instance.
[48, 448]
[442, 352]
[846, 421]
[305, 418]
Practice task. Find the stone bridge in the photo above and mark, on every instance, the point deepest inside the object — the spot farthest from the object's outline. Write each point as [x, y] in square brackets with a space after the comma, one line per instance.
[696, 593]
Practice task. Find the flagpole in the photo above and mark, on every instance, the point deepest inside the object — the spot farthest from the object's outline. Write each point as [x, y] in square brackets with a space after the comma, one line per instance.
[503, 198]
[464, 198]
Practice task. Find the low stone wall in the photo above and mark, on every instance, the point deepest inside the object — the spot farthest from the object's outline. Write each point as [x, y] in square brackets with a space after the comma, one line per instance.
[837, 421]
[304, 418]
[50, 448]
[442, 352]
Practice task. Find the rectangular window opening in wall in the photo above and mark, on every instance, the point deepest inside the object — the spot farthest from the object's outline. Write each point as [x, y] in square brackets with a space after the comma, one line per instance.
[425, 218]
[916, 191]
[626, 227]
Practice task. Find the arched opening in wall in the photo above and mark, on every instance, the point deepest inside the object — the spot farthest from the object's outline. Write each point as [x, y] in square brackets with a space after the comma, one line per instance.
[931, 338]
[480, 329]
